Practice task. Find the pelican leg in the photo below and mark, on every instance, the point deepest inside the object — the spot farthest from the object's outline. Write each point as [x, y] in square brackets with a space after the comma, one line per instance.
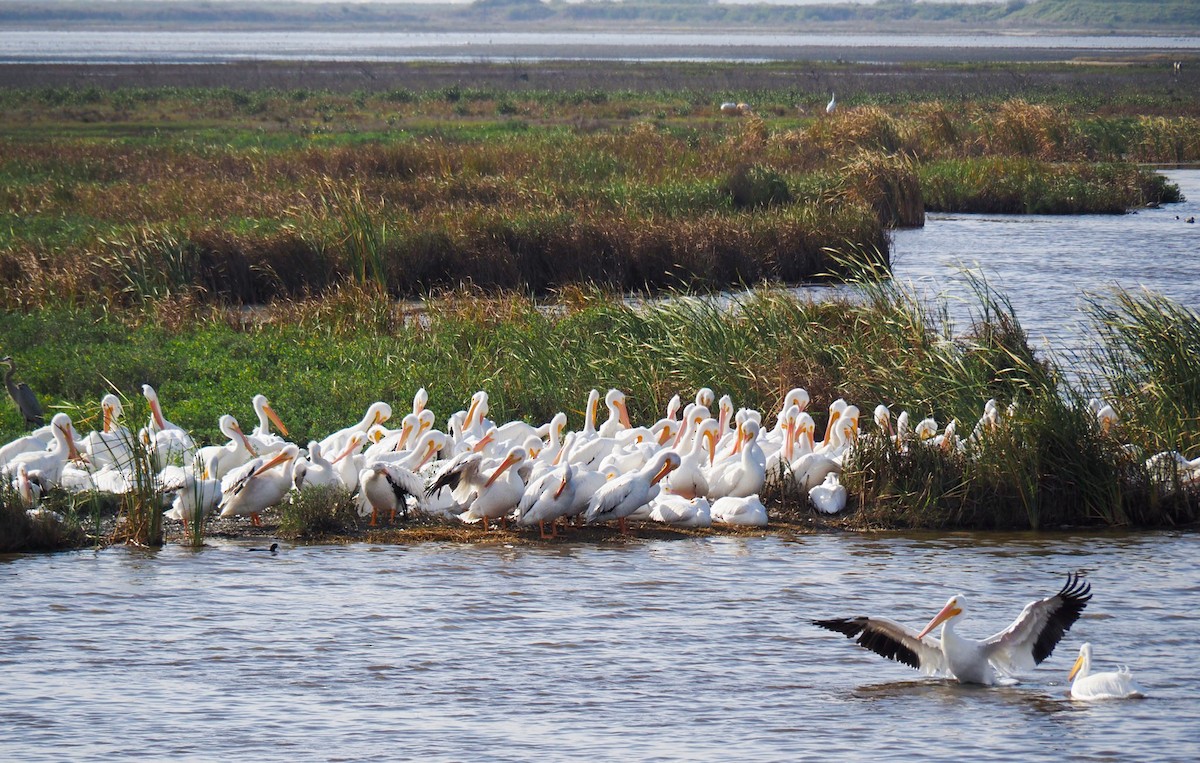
[392, 518]
[255, 520]
[542, 528]
[621, 524]
[374, 511]
[485, 527]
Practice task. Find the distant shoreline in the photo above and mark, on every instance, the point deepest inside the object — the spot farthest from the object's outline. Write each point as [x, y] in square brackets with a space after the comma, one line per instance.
[609, 75]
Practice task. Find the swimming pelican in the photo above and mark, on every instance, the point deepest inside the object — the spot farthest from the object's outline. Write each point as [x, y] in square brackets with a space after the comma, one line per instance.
[1114, 684]
[626, 494]
[258, 485]
[1027, 642]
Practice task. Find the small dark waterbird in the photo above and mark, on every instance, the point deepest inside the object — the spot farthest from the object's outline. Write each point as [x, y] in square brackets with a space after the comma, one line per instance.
[26, 402]
[274, 547]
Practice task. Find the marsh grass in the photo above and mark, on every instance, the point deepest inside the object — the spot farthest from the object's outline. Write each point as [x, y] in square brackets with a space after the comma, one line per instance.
[51, 529]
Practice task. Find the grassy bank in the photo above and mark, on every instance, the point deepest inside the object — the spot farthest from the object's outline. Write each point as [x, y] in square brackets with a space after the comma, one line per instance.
[118, 197]
[1045, 462]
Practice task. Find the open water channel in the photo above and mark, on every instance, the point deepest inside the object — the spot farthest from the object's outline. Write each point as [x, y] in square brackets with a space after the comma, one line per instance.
[692, 649]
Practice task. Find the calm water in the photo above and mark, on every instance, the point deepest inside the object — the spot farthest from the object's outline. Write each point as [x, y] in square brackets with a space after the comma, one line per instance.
[1047, 265]
[677, 650]
[123, 46]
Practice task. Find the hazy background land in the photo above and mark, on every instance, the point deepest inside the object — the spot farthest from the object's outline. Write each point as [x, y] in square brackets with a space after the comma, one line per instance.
[1174, 17]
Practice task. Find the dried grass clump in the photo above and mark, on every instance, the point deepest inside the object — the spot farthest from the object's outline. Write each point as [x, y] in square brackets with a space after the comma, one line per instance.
[888, 183]
[1019, 128]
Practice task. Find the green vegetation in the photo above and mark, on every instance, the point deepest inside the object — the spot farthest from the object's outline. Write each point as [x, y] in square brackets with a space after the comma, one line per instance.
[318, 512]
[1046, 461]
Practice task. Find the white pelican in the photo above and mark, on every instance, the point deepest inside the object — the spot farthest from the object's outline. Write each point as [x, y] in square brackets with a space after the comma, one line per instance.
[168, 442]
[49, 463]
[377, 413]
[193, 498]
[547, 499]
[259, 485]
[705, 397]
[677, 511]
[830, 496]
[739, 510]
[1027, 642]
[499, 494]
[1114, 684]
[626, 494]
[264, 440]
[387, 486]
[112, 444]
[28, 490]
[689, 479]
[618, 414]
[219, 460]
[315, 470]
[745, 475]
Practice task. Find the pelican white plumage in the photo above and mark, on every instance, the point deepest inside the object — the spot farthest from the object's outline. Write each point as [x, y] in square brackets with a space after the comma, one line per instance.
[194, 496]
[168, 442]
[387, 486]
[219, 460]
[112, 444]
[618, 414]
[500, 493]
[28, 490]
[263, 439]
[690, 479]
[49, 463]
[830, 496]
[1113, 684]
[315, 470]
[747, 510]
[742, 476]
[1028, 641]
[255, 487]
[377, 413]
[677, 511]
[626, 494]
[547, 499]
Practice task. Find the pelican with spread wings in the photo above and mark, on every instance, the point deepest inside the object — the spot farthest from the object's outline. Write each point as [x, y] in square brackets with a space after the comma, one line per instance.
[1027, 642]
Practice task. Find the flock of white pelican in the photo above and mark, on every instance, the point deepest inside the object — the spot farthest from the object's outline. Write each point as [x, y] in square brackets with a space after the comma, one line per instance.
[1027, 642]
[701, 463]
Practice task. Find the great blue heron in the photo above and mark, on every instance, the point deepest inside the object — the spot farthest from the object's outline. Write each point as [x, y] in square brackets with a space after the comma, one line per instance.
[27, 402]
